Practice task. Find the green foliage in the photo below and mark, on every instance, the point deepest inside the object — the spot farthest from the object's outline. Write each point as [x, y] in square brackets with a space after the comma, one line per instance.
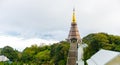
[56, 54]
[0, 50]
[2, 63]
[10, 53]
[59, 52]
[43, 57]
[62, 62]
[28, 53]
[97, 41]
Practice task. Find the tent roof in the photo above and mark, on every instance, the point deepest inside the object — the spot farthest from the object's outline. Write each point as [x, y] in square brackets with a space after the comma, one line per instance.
[3, 58]
[102, 57]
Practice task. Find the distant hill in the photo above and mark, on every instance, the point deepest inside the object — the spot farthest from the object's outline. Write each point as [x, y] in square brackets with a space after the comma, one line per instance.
[56, 54]
[97, 41]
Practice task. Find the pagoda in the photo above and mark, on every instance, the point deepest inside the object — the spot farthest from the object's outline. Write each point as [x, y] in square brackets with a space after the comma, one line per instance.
[74, 40]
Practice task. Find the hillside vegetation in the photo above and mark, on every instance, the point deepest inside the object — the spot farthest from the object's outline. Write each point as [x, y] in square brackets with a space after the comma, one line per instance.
[57, 53]
[97, 41]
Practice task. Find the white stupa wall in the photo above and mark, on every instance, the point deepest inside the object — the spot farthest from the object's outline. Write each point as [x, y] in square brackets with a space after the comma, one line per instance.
[80, 55]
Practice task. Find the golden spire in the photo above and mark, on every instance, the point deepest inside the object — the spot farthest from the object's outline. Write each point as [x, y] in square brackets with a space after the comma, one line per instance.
[73, 16]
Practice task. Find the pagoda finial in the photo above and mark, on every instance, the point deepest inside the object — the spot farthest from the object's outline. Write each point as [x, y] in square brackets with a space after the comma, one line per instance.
[73, 16]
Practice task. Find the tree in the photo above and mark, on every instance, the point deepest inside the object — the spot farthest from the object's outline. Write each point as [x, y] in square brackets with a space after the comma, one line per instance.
[97, 41]
[59, 52]
[43, 57]
[28, 53]
[10, 53]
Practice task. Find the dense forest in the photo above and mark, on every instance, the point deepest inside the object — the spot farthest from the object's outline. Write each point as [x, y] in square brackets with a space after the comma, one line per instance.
[57, 53]
[97, 41]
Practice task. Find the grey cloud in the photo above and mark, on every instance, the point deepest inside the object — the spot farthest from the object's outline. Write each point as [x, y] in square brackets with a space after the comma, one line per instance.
[39, 18]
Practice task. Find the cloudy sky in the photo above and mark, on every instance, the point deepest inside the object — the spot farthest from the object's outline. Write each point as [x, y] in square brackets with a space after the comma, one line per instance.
[50, 19]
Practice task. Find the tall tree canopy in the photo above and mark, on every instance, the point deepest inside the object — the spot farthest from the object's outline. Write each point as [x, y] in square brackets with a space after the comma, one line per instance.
[97, 41]
[10, 53]
[57, 53]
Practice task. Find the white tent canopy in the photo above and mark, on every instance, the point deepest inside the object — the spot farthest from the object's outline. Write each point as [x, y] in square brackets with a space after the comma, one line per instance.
[102, 57]
[3, 58]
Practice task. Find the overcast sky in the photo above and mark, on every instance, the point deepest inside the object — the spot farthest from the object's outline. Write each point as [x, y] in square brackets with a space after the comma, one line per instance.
[50, 19]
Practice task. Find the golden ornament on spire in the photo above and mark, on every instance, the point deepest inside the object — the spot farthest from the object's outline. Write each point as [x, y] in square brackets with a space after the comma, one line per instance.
[73, 16]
